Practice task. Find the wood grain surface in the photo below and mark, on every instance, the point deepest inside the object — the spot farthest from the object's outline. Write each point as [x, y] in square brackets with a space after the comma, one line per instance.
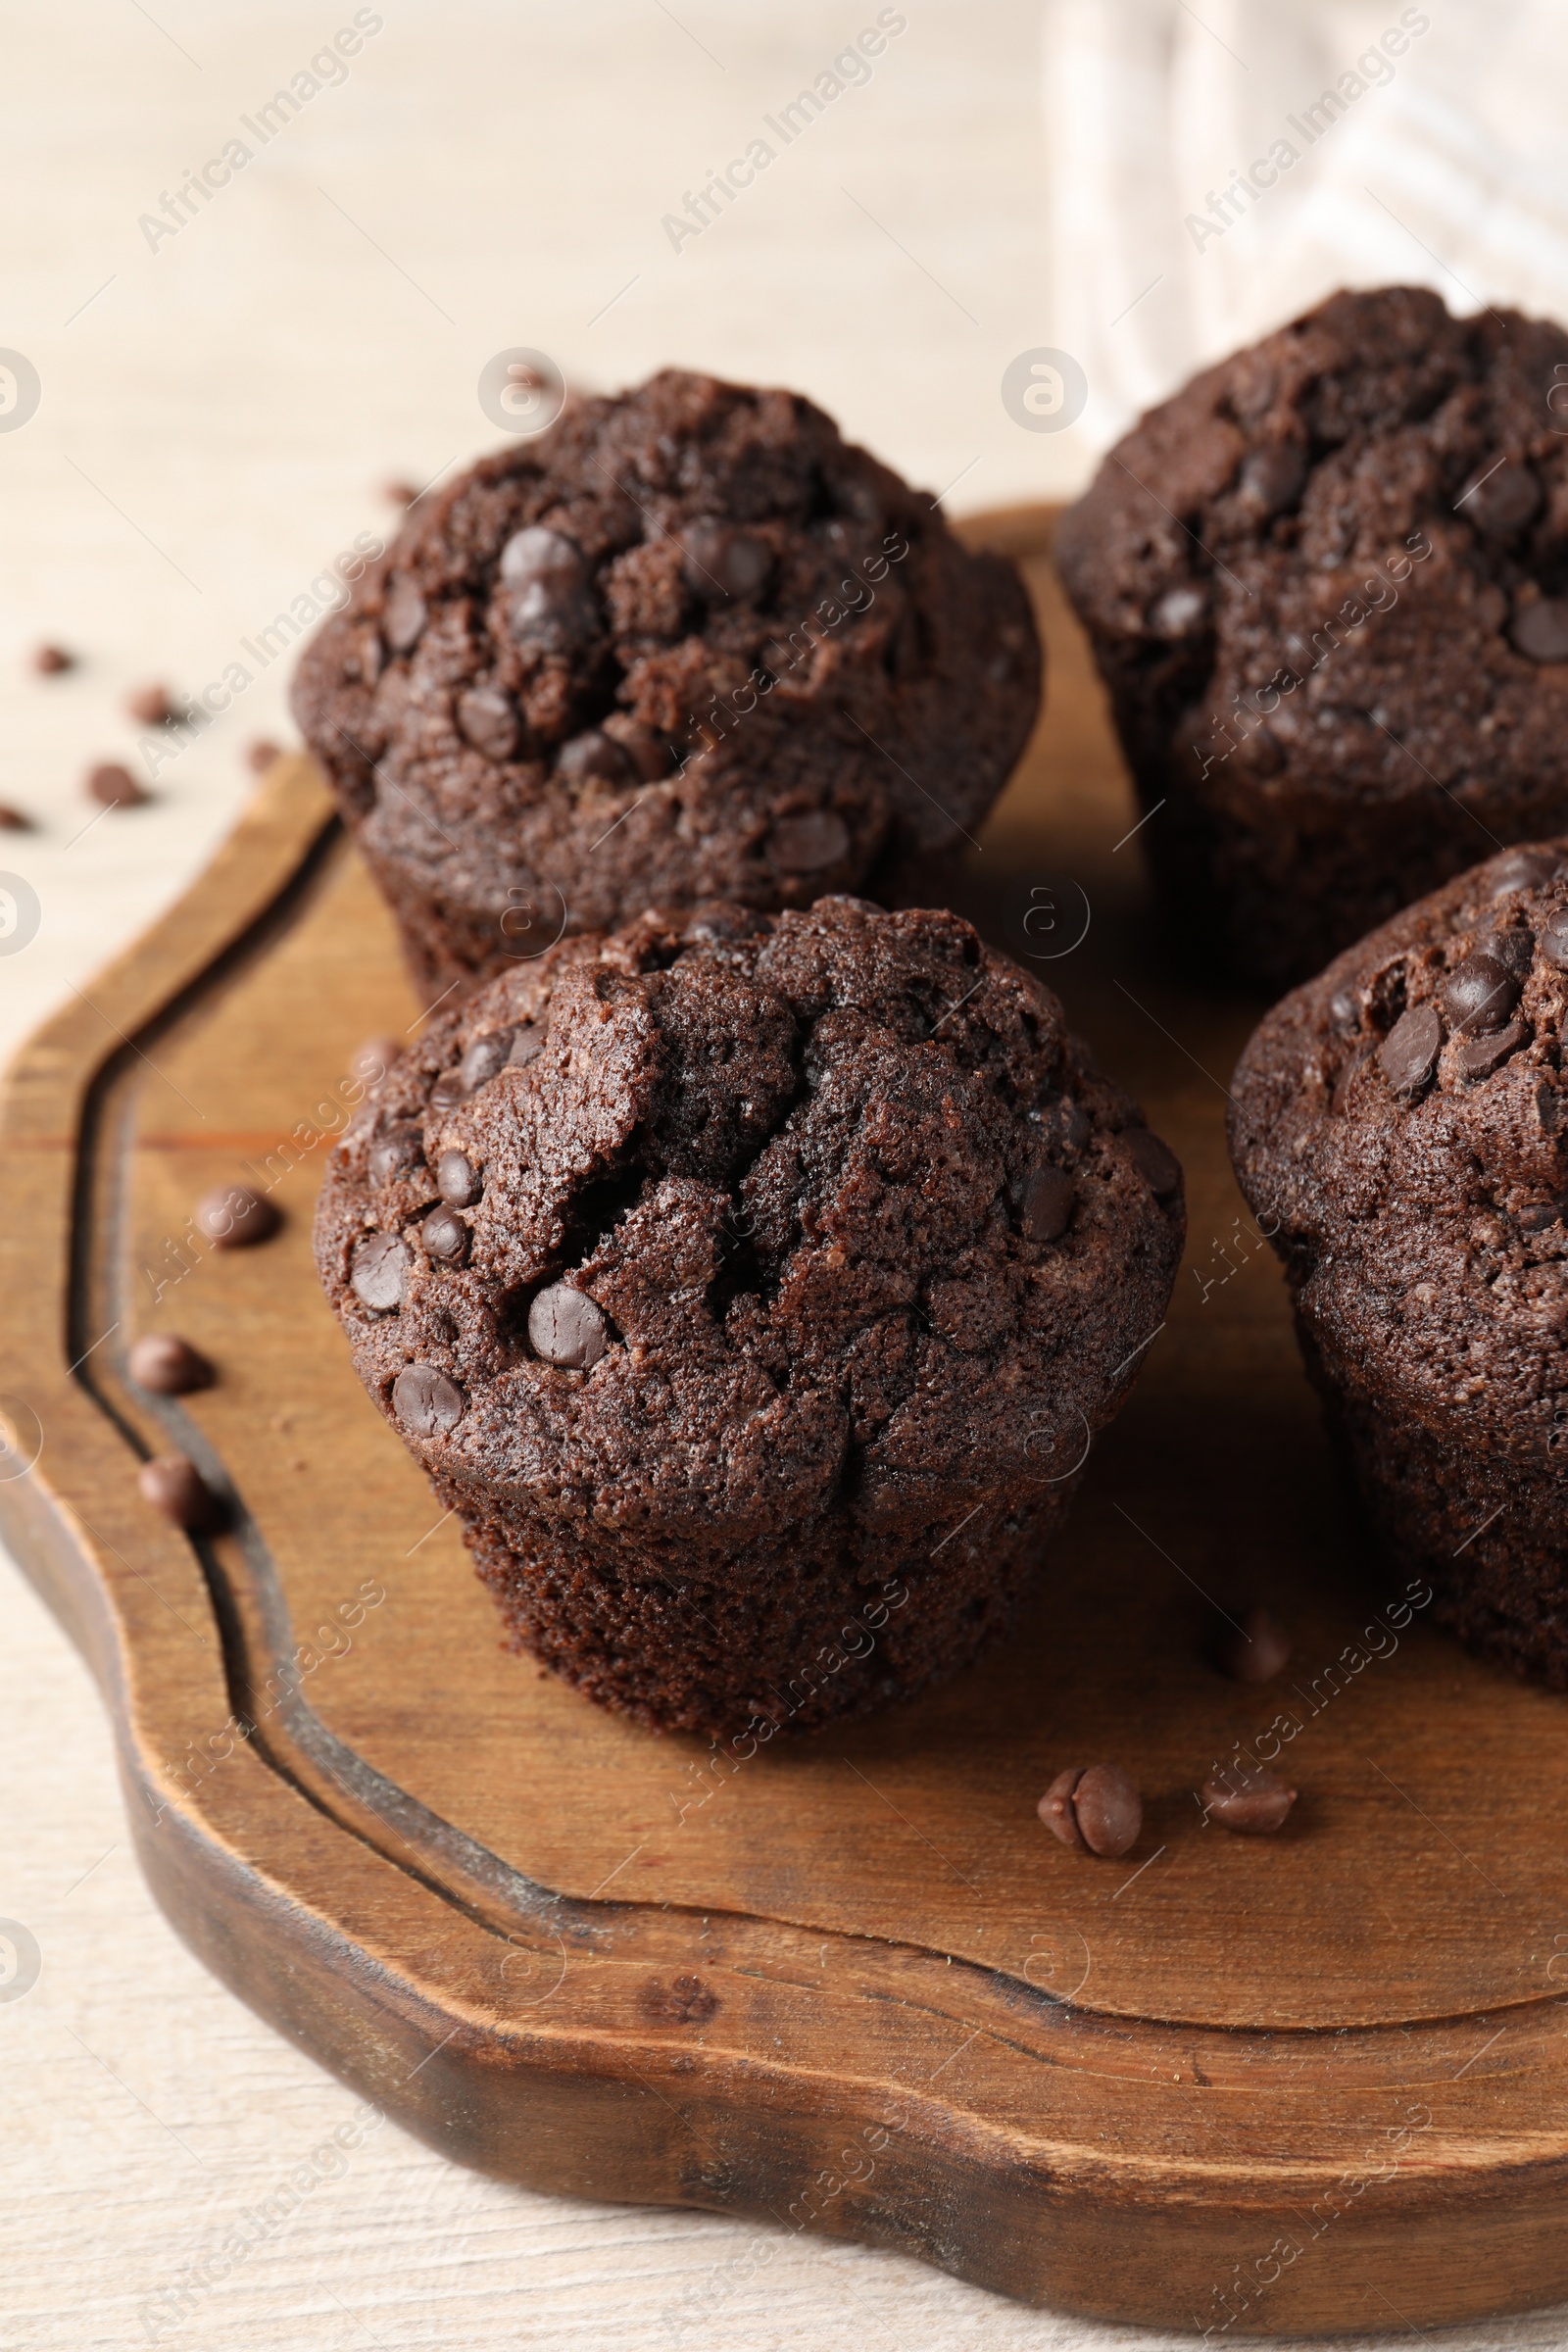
[848, 1983]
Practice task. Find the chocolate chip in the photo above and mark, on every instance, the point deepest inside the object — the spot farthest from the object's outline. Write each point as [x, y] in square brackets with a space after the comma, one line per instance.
[487, 717]
[448, 1090]
[1272, 478]
[527, 1044]
[1540, 628]
[1479, 1057]
[1520, 869]
[381, 1275]
[426, 1402]
[1096, 1810]
[1409, 1055]
[1502, 500]
[116, 787]
[400, 494]
[1479, 995]
[1247, 1798]
[1047, 1206]
[12, 820]
[597, 758]
[803, 844]
[168, 1366]
[484, 1057]
[551, 606]
[720, 560]
[1180, 612]
[177, 1488]
[457, 1180]
[564, 1327]
[261, 754]
[1344, 1010]
[1154, 1162]
[1514, 947]
[371, 1061]
[1539, 1216]
[445, 1236]
[648, 752]
[1256, 1651]
[397, 1154]
[50, 660]
[404, 617]
[151, 707]
[1554, 938]
[237, 1216]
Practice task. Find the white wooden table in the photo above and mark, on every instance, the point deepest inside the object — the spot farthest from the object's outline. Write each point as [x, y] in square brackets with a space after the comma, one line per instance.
[219, 405]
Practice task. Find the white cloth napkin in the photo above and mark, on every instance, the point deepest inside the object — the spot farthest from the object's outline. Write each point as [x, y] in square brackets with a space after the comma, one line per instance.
[1439, 157]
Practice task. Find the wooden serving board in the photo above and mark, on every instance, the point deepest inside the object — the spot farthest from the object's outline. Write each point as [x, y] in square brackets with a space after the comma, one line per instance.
[845, 1984]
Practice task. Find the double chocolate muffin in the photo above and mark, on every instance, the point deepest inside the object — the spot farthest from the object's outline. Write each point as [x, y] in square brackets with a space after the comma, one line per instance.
[687, 644]
[1403, 1122]
[753, 1285]
[1327, 585]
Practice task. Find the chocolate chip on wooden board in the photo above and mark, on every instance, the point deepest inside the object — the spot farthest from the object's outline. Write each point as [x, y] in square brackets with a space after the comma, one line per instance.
[176, 1488]
[1248, 1799]
[237, 1216]
[1257, 1649]
[1093, 1808]
[168, 1366]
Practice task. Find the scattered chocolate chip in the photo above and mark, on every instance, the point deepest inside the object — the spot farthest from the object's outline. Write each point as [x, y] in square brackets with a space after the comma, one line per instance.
[177, 1488]
[151, 707]
[448, 1092]
[1479, 1057]
[720, 560]
[1180, 612]
[1554, 938]
[1520, 869]
[596, 757]
[403, 616]
[1409, 1055]
[396, 1153]
[1479, 995]
[12, 820]
[1272, 478]
[564, 1327]
[1046, 1208]
[1344, 1011]
[1256, 1651]
[400, 494]
[370, 1062]
[1502, 500]
[484, 1057]
[168, 1366]
[1540, 628]
[426, 1402]
[261, 754]
[1154, 1162]
[457, 1180]
[52, 660]
[805, 844]
[380, 1272]
[487, 718]
[649, 752]
[1247, 1798]
[551, 605]
[237, 1216]
[1539, 1216]
[1096, 1810]
[527, 1044]
[117, 787]
[445, 1236]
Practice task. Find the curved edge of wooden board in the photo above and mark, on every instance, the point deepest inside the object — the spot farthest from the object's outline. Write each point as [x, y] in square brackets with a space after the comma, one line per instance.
[606, 2049]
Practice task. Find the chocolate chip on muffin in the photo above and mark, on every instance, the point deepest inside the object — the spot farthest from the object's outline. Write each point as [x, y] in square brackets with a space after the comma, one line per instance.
[1327, 585]
[687, 645]
[783, 1280]
[1416, 1169]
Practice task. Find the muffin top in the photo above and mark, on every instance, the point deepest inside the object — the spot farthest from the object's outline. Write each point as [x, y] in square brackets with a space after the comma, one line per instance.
[1403, 1120]
[729, 1219]
[1346, 549]
[693, 588]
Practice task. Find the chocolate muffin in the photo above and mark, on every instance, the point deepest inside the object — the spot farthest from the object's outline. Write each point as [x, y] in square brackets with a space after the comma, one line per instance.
[1327, 585]
[687, 644]
[1403, 1123]
[752, 1287]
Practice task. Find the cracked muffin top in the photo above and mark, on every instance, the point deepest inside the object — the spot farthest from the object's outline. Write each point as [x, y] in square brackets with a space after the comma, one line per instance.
[730, 1219]
[1344, 552]
[1403, 1118]
[688, 641]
